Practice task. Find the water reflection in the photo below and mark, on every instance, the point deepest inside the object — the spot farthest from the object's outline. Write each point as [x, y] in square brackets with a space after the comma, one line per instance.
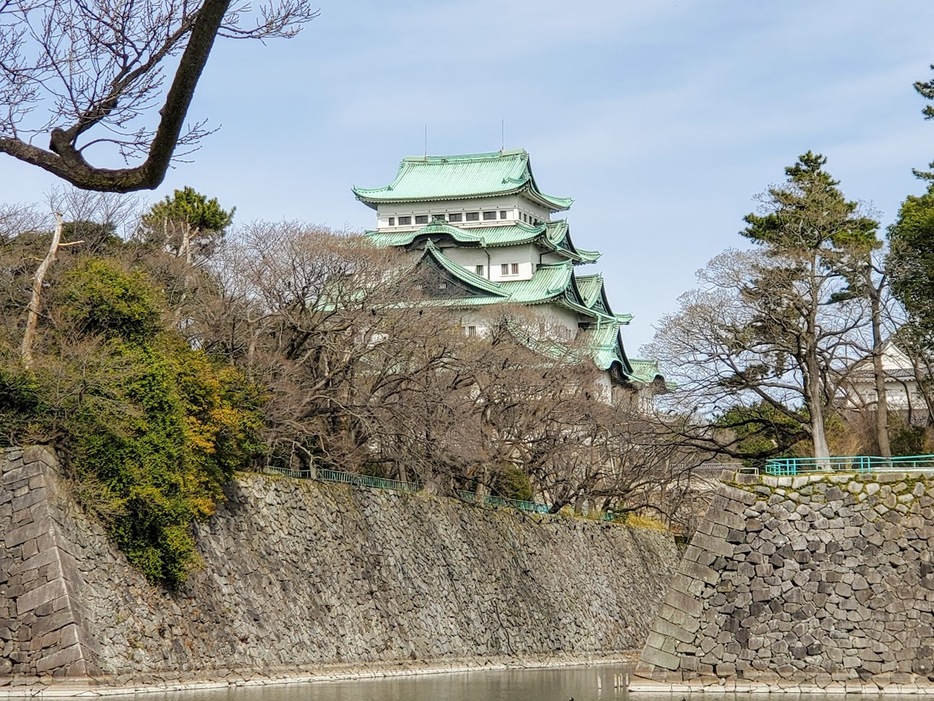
[593, 683]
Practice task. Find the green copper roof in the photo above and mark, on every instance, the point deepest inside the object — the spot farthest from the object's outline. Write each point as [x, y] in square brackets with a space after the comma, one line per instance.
[605, 345]
[590, 287]
[458, 271]
[440, 178]
[548, 282]
[645, 370]
[552, 283]
[552, 235]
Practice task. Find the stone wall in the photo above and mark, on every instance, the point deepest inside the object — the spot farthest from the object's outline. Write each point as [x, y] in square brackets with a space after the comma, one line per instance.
[299, 575]
[822, 580]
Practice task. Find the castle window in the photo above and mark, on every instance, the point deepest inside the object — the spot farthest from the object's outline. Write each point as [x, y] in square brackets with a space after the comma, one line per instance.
[470, 331]
[489, 216]
[455, 217]
[392, 221]
[439, 217]
[405, 221]
[515, 268]
[473, 216]
[504, 269]
[421, 219]
[478, 269]
[503, 214]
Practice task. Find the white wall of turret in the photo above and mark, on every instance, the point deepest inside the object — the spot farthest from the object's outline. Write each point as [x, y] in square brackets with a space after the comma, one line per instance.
[547, 322]
[488, 211]
[503, 264]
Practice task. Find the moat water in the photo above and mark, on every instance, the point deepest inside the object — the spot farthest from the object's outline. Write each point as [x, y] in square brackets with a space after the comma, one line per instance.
[593, 683]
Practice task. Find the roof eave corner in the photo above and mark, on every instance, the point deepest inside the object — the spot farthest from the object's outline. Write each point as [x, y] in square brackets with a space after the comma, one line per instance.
[363, 198]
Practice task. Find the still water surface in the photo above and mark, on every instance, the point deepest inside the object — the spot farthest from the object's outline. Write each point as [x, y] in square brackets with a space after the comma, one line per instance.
[562, 684]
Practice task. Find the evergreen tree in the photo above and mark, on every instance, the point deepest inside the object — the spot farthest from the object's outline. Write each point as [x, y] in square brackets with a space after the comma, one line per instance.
[811, 235]
[926, 90]
[187, 224]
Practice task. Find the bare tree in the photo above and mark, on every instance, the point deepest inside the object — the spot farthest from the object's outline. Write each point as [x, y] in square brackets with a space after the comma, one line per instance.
[366, 371]
[743, 361]
[16, 219]
[90, 74]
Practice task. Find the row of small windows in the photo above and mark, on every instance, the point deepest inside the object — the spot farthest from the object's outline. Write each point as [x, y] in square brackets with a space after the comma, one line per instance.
[504, 269]
[562, 332]
[459, 217]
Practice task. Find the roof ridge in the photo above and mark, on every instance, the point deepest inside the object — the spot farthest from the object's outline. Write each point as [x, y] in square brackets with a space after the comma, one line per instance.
[482, 156]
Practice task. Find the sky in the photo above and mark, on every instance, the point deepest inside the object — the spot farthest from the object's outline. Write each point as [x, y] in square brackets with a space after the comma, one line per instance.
[662, 119]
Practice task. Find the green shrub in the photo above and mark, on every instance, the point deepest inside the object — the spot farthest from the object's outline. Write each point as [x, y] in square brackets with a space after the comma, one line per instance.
[103, 297]
[513, 483]
[148, 428]
[163, 461]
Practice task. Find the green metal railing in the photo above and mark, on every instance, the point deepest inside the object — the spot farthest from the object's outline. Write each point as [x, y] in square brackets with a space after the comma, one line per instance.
[350, 478]
[366, 481]
[853, 463]
[530, 506]
[356, 480]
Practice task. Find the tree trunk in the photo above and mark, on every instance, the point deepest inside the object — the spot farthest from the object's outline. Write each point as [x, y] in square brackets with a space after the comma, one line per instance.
[882, 404]
[813, 393]
[35, 301]
[818, 435]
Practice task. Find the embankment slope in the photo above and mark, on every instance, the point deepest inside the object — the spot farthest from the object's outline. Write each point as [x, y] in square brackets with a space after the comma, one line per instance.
[298, 575]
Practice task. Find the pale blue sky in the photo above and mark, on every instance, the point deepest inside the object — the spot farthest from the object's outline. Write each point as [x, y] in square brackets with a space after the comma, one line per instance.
[662, 119]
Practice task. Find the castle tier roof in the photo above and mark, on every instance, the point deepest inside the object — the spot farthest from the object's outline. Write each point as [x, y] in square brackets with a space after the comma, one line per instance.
[554, 236]
[551, 283]
[445, 178]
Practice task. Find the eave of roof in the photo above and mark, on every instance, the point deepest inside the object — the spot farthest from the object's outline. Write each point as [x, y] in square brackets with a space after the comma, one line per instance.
[461, 273]
[553, 282]
[645, 371]
[470, 176]
[552, 236]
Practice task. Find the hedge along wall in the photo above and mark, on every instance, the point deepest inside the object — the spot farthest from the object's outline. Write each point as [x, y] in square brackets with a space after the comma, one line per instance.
[298, 575]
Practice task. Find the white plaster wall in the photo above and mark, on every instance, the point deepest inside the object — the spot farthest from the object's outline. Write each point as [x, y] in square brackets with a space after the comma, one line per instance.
[553, 258]
[492, 260]
[514, 206]
[557, 322]
[469, 258]
[547, 321]
[604, 387]
[898, 395]
[526, 256]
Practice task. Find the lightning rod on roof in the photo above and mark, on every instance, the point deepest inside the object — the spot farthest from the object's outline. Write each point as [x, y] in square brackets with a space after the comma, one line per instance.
[502, 135]
[426, 139]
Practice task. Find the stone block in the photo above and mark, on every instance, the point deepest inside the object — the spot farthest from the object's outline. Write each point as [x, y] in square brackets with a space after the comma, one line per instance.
[40, 595]
[727, 519]
[39, 454]
[644, 670]
[60, 659]
[672, 630]
[684, 602]
[29, 499]
[712, 545]
[20, 535]
[14, 478]
[726, 669]
[659, 658]
[701, 572]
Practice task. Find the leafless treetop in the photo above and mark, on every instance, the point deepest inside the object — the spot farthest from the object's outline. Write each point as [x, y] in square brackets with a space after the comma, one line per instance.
[83, 73]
